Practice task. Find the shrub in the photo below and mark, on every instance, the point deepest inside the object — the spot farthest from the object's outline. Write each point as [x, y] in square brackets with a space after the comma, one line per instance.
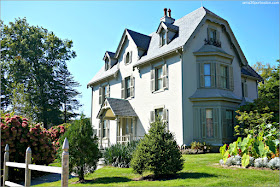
[261, 162]
[16, 132]
[157, 152]
[251, 161]
[120, 155]
[55, 132]
[83, 147]
[274, 163]
[237, 160]
[19, 134]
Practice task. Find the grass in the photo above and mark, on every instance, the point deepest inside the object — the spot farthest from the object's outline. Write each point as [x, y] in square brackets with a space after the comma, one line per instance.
[199, 170]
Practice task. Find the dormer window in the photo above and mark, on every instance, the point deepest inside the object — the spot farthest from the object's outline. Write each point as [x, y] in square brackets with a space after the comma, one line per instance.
[106, 64]
[212, 35]
[163, 40]
[128, 57]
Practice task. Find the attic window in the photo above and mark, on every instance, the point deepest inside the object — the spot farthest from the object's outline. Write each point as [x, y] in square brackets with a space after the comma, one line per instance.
[163, 40]
[106, 64]
[213, 37]
[128, 57]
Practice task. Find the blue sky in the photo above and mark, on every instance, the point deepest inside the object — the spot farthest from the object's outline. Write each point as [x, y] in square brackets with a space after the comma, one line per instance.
[97, 26]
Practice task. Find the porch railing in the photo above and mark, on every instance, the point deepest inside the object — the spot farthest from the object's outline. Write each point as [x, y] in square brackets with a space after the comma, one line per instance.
[127, 138]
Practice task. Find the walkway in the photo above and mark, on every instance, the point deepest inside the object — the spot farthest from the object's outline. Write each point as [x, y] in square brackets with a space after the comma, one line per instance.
[56, 177]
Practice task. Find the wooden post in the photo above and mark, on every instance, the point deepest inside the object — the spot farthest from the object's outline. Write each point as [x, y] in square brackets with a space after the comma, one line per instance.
[6, 168]
[65, 163]
[27, 171]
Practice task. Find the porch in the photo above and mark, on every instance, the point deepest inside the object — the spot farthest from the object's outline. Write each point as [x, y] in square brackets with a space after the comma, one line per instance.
[119, 115]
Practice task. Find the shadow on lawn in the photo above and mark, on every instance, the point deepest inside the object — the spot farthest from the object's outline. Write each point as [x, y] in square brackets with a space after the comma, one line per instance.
[106, 180]
[185, 175]
[182, 175]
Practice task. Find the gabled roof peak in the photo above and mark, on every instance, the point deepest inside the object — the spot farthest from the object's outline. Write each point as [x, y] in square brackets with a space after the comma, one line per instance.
[108, 54]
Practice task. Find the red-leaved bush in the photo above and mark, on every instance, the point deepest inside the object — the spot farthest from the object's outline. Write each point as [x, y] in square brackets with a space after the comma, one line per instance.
[55, 132]
[18, 134]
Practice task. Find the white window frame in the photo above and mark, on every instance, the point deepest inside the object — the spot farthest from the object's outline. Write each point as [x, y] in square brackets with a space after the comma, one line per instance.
[127, 87]
[128, 58]
[158, 78]
[163, 35]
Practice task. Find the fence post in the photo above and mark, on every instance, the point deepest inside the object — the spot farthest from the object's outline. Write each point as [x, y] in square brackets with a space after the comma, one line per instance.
[65, 164]
[6, 168]
[27, 171]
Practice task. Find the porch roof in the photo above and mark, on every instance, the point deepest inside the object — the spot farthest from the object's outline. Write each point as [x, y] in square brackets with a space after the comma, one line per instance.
[119, 107]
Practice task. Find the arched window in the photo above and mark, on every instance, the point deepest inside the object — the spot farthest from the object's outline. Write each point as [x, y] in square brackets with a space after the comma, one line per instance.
[128, 57]
[163, 37]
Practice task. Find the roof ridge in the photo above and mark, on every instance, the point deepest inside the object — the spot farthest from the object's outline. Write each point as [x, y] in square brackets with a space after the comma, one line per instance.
[129, 30]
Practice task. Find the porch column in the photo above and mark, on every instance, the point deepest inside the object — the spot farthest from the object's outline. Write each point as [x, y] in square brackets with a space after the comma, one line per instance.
[101, 132]
[134, 126]
[121, 133]
[118, 128]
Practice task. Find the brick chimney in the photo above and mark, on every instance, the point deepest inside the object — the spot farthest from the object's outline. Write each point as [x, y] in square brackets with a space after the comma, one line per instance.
[165, 18]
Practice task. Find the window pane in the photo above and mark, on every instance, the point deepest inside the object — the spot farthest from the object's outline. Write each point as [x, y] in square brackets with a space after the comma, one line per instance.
[126, 129]
[127, 87]
[159, 84]
[159, 113]
[159, 72]
[127, 58]
[105, 90]
[207, 69]
[212, 35]
[207, 81]
[209, 123]
[131, 126]
[163, 38]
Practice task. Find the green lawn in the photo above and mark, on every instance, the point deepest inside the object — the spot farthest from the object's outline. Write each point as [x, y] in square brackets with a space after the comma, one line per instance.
[199, 170]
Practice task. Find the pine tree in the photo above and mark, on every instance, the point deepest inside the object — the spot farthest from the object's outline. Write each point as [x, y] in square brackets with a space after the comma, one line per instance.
[157, 152]
[69, 93]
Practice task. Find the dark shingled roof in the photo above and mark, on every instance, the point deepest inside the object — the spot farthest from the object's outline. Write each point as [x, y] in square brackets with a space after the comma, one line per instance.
[249, 71]
[111, 54]
[121, 107]
[142, 41]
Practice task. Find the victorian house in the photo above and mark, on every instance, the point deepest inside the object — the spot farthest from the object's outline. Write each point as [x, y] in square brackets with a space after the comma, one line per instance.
[190, 72]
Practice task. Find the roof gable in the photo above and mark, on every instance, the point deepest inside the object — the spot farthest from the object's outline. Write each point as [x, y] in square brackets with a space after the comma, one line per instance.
[140, 40]
[119, 107]
[167, 26]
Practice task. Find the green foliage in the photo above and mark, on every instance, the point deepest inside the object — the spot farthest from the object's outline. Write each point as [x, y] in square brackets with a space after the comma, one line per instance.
[83, 147]
[268, 91]
[255, 124]
[223, 149]
[120, 155]
[245, 160]
[31, 59]
[200, 146]
[157, 152]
